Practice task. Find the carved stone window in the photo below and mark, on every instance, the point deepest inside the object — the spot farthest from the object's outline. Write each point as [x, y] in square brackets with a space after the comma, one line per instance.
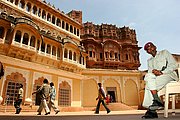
[18, 36]
[74, 56]
[44, 14]
[48, 49]
[22, 4]
[54, 51]
[65, 53]
[70, 55]
[34, 10]
[25, 39]
[28, 7]
[32, 41]
[58, 23]
[1, 32]
[64, 96]
[63, 25]
[53, 20]
[12, 83]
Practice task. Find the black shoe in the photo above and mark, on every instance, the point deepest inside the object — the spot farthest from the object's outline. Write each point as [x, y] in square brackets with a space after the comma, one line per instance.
[96, 112]
[39, 114]
[57, 112]
[47, 113]
[156, 105]
[19, 110]
[108, 111]
[150, 115]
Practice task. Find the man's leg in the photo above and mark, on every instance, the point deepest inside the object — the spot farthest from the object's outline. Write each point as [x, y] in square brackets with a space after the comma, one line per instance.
[107, 109]
[161, 82]
[45, 106]
[97, 107]
[54, 107]
[40, 108]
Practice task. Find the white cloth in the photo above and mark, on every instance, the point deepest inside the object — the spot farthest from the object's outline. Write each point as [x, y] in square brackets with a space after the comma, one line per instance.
[21, 92]
[162, 59]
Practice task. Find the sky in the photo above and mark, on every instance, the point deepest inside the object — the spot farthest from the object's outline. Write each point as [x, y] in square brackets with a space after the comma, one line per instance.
[157, 21]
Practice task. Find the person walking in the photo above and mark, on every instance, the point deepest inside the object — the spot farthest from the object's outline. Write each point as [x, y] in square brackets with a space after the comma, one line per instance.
[100, 98]
[52, 99]
[19, 98]
[161, 70]
[45, 91]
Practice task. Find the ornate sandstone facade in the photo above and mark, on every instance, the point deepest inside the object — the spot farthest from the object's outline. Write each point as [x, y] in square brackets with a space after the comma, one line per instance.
[110, 47]
[38, 41]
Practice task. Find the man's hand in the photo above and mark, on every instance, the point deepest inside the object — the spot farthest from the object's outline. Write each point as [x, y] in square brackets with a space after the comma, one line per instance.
[157, 72]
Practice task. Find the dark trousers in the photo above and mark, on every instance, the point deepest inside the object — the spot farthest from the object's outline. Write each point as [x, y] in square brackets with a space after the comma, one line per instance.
[17, 105]
[98, 106]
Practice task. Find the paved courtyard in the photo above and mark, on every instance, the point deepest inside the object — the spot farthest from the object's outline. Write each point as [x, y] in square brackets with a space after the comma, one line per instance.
[86, 115]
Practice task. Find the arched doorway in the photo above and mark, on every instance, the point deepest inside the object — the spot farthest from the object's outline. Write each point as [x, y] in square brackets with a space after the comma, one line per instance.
[11, 87]
[131, 93]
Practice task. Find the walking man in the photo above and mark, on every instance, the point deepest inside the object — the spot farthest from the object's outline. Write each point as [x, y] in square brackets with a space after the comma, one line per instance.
[161, 70]
[18, 101]
[45, 91]
[100, 98]
[52, 99]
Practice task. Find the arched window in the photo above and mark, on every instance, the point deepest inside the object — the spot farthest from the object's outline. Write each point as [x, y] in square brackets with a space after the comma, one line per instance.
[71, 29]
[58, 54]
[43, 47]
[65, 53]
[74, 30]
[54, 51]
[22, 4]
[49, 17]
[64, 96]
[70, 55]
[127, 57]
[39, 12]
[77, 32]
[28, 7]
[16, 2]
[58, 23]
[74, 56]
[18, 36]
[67, 26]
[44, 14]
[32, 41]
[11, 1]
[48, 49]
[1, 32]
[53, 19]
[25, 39]
[63, 25]
[38, 45]
[34, 10]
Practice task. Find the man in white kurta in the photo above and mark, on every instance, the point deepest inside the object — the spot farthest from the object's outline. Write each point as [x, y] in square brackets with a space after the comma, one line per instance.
[161, 70]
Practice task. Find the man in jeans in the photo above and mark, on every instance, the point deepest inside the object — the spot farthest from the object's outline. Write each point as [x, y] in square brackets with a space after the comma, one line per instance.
[52, 99]
[100, 98]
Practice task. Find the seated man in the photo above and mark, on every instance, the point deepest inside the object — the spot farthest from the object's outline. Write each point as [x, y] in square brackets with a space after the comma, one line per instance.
[161, 70]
